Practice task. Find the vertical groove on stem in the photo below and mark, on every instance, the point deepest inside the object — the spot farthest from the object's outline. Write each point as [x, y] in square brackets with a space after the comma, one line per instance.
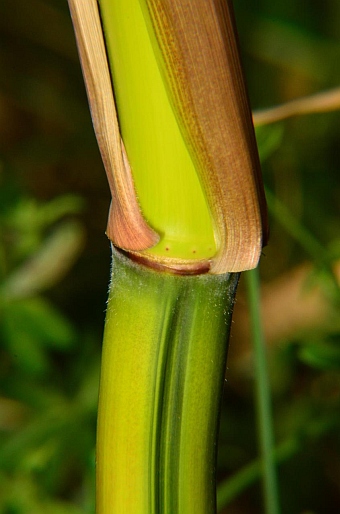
[164, 359]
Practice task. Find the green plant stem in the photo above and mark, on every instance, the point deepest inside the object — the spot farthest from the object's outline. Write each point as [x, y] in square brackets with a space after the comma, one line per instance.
[163, 365]
[262, 395]
[235, 485]
[230, 488]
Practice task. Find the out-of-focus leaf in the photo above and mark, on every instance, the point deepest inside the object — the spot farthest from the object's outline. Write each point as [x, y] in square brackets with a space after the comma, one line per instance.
[23, 346]
[29, 214]
[48, 265]
[324, 356]
[21, 495]
[24, 225]
[42, 428]
[39, 321]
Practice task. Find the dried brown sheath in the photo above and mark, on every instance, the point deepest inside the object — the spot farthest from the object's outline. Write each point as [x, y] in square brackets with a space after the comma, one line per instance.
[195, 41]
[126, 225]
[198, 55]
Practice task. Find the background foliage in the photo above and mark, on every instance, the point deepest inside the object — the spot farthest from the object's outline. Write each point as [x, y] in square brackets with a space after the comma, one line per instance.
[55, 259]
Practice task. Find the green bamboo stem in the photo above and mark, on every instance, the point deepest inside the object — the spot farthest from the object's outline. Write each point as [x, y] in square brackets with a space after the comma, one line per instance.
[187, 197]
[262, 397]
[164, 357]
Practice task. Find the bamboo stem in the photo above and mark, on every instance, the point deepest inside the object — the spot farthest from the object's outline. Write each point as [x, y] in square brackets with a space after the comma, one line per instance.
[161, 387]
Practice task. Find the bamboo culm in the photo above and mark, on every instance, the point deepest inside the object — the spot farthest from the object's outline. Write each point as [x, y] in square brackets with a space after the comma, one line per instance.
[164, 361]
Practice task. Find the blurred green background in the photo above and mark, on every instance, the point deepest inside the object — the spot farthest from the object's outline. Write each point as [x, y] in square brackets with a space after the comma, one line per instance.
[55, 263]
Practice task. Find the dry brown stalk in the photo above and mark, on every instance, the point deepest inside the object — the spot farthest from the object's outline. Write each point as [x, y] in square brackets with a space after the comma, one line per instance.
[321, 102]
